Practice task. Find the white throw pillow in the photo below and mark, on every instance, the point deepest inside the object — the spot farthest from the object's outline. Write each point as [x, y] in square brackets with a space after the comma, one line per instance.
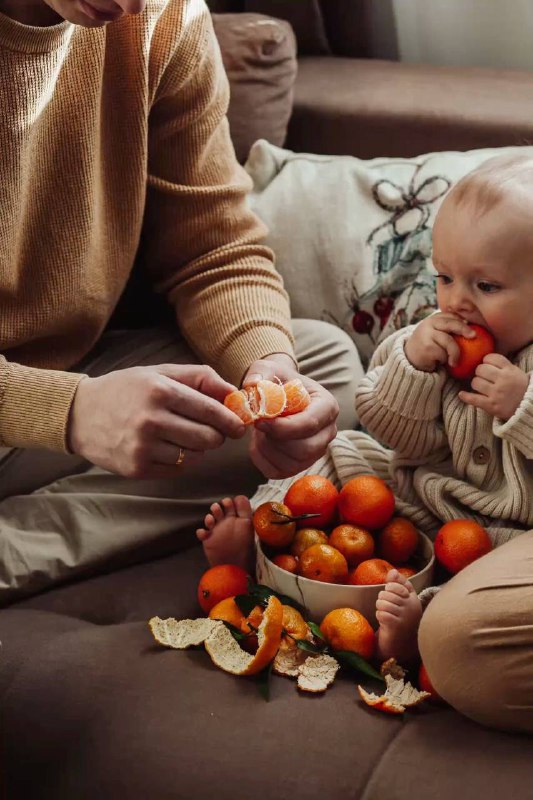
[353, 238]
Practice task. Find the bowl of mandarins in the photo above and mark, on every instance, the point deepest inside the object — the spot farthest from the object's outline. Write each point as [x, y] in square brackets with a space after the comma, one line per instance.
[330, 549]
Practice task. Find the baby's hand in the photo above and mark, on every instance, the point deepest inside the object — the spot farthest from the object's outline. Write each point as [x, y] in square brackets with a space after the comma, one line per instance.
[499, 387]
[432, 344]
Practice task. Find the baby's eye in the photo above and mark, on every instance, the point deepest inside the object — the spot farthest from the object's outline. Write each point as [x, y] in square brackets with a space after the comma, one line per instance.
[445, 279]
[487, 287]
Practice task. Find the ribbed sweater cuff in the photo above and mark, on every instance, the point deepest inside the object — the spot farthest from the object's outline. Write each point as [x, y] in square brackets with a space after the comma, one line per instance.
[518, 429]
[407, 391]
[35, 405]
[250, 346]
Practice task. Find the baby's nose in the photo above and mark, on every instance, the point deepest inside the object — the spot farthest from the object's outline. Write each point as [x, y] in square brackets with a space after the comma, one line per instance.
[459, 301]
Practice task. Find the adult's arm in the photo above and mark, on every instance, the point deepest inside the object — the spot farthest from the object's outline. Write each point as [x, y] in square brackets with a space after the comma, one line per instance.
[34, 405]
[201, 243]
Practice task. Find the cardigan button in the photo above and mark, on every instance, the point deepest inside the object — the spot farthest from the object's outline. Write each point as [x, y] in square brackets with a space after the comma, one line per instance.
[481, 455]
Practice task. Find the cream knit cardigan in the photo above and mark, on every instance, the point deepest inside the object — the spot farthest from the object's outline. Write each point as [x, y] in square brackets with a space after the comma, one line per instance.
[443, 459]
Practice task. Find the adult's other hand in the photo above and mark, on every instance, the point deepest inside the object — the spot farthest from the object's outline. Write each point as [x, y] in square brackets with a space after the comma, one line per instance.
[134, 421]
[284, 446]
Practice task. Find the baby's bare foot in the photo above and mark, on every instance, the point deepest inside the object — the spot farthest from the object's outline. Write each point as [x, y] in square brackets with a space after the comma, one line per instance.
[228, 534]
[398, 611]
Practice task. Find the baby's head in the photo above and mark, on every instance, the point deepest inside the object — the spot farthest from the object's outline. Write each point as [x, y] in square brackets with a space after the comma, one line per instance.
[483, 250]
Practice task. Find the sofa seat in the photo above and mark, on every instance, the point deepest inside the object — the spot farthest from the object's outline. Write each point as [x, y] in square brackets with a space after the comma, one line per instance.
[93, 708]
[370, 107]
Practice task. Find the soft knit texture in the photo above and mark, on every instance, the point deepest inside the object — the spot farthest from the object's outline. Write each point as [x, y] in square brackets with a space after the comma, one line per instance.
[114, 148]
[425, 442]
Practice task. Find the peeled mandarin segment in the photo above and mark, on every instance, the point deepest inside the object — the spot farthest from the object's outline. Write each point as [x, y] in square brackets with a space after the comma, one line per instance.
[238, 402]
[297, 396]
[272, 399]
[268, 399]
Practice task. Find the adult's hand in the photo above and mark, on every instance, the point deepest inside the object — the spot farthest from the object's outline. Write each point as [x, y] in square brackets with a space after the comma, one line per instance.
[134, 421]
[283, 446]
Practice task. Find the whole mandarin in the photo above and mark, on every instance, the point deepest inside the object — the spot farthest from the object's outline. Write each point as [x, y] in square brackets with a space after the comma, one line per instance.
[273, 524]
[460, 542]
[472, 352]
[323, 563]
[355, 543]
[398, 540]
[306, 537]
[287, 562]
[366, 501]
[370, 573]
[313, 494]
[220, 582]
[348, 629]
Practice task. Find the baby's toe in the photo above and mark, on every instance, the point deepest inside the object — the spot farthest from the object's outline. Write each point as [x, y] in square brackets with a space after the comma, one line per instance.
[384, 604]
[393, 576]
[229, 507]
[202, 534]
[217, 512]
[385, 617]
[397, 589]
[210, 521]
[242, 506]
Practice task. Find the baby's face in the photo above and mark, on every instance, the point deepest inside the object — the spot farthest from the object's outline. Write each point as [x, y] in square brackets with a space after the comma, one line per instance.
[484, 263]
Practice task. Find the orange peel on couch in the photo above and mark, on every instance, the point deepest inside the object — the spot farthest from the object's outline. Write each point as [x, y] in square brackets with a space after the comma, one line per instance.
[224, 650]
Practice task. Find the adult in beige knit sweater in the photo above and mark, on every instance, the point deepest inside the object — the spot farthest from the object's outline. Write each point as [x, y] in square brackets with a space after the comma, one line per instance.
[116, 157]
[450, 451]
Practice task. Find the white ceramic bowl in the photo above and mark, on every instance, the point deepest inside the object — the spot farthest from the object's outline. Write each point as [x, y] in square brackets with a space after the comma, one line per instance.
[319, 598]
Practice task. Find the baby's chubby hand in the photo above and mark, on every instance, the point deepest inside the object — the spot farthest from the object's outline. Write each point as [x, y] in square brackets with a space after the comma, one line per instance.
[499, 387]
[432, 345]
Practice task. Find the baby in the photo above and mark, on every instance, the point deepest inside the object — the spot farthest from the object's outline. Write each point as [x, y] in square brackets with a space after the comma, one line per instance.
[447, 450]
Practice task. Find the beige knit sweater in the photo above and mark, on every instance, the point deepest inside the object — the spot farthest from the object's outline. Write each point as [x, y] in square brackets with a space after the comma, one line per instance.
[443, 459]
[114, 148]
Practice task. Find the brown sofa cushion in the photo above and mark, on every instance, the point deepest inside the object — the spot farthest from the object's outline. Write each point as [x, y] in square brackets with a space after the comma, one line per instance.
[93, 709]
[259, 55]
[305, 17]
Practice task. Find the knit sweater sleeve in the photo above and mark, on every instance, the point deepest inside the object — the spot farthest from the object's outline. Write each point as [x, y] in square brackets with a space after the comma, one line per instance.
[35, 405]
[399, 405]
[202, 244]
[518, 429]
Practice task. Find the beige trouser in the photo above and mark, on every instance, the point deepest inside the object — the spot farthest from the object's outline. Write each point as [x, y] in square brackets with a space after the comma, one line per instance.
[60, 516]
[476, 638]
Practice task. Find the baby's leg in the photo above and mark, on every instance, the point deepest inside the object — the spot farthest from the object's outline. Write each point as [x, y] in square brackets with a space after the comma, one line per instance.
[228, 534]
[398, 611]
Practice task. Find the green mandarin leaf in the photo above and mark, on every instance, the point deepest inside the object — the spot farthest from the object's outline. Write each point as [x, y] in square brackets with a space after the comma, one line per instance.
[356, 661]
